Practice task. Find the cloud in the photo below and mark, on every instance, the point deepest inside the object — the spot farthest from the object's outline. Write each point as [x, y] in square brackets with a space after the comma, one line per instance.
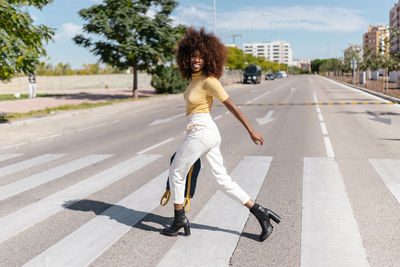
[310, 18]
[68, 31]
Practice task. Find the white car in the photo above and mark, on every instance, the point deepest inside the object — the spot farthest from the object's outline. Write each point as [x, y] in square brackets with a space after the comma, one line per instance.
[284, 74]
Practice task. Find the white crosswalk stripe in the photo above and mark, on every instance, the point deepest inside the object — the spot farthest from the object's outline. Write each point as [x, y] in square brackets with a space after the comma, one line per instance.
[4, 157]
[389, 171]
[325, 240]
[215, 244]
[28, 216]
[330, 235]
[28, 164]
[36, 180]
[101, 232]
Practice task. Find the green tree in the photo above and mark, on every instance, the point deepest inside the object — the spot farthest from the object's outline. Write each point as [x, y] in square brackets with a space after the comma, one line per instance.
[353, 51]
[21, 42]
[128, 36]
[331, 65]
[236, 59]
[316, 63]
[62, 69]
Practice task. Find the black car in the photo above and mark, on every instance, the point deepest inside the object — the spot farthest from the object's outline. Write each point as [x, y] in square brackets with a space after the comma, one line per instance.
[269, 76]
[252, 74]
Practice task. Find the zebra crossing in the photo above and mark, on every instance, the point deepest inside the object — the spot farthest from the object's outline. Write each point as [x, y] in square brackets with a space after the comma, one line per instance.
[213, 244]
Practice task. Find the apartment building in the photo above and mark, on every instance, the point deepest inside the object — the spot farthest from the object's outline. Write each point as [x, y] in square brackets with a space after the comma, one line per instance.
[377, 39]
[395, 23]
[276, 51]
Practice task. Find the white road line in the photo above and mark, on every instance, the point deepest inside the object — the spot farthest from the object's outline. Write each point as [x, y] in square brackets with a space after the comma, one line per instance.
[92, 127]
[389, 171]
[94, 237]
[26, 164]
[218, 230]
[328, 146]
[249, 102]
[315, 98]
[4, 157]
[15, 145]
[327, 141]
[226, 113]
[160, 121]
[36, 180]
[218, 117]
[323, 128]
[330, 235]
[49, 137]
[155, 146]
[22, 219]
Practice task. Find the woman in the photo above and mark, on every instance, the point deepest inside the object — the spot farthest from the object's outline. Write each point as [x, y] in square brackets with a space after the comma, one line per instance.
[201, 58]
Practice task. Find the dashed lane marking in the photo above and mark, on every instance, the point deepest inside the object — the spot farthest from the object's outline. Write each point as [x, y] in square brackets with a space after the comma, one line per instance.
[317, 104]
[249, 104]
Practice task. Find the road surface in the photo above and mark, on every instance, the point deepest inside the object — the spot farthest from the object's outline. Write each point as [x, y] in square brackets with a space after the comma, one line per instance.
[84, 189]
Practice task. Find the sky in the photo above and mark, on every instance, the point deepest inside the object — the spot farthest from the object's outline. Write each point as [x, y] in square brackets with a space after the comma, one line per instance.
[313, 28]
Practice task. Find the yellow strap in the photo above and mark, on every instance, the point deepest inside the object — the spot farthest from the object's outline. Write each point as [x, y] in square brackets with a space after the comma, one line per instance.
[187, 200]
[166, 196]
[187, 203]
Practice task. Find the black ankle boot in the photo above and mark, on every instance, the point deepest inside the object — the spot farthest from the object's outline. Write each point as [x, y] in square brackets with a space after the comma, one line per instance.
[180, 221]
[263, 216]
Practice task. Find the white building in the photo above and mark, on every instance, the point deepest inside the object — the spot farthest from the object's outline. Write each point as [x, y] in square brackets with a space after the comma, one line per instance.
[232, 45]
[303, 63]
[275, 51]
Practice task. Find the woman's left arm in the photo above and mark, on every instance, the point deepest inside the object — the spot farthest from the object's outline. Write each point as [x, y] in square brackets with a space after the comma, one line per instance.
[255, 136]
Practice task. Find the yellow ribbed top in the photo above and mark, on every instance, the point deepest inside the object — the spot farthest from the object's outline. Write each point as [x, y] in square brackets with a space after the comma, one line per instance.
[200, 93]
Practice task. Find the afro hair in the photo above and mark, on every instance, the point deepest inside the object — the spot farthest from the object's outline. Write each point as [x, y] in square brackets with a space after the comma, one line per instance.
[211, 49]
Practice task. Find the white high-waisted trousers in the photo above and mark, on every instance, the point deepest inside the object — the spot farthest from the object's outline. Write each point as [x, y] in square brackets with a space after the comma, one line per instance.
[202, 139]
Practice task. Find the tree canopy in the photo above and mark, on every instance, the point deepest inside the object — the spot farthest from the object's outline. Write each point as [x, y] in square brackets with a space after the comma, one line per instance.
[137, 34]
[238, 60]
[21, 42]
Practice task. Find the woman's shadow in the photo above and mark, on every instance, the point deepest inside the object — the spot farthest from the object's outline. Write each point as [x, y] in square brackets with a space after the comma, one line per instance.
[138, 219]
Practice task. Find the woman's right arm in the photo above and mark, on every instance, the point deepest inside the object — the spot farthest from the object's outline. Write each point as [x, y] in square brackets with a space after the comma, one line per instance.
[254, 135]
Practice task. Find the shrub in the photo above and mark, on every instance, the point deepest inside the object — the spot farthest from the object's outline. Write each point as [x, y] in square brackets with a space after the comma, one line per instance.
[167, 80]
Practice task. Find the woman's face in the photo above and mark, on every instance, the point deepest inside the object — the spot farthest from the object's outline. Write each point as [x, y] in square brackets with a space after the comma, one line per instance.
[196, 61]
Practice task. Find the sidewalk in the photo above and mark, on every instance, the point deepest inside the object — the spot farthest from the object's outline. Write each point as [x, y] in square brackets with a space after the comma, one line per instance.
[68, 98]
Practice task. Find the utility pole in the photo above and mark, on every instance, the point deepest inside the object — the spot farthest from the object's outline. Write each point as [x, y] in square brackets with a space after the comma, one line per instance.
[215, 17]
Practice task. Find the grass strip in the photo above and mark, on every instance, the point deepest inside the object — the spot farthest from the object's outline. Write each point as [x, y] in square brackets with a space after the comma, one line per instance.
[5, 97]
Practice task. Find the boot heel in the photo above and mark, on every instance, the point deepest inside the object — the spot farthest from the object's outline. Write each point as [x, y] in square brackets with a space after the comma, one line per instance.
[186, 228]
[274, 216]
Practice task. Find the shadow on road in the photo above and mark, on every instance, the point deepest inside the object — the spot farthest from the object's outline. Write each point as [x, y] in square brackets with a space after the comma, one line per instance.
[129, 217]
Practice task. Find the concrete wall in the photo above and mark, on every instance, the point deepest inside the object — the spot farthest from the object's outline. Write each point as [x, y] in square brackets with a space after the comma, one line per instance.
[52, 84]
[76, 82]
[394, 76]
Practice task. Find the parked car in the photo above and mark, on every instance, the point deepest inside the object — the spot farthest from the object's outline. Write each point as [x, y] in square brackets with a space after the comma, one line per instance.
[278, 75]
[269, 76]
[284, 74]
[252, 74]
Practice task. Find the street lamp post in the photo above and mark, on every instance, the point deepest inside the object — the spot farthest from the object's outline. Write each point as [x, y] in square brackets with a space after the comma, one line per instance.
[252, 25]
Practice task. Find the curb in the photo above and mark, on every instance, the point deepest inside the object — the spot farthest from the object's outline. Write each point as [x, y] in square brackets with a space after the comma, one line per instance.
[380, 95]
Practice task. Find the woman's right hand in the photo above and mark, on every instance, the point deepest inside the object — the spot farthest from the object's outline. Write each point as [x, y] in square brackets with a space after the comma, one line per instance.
[257, 138]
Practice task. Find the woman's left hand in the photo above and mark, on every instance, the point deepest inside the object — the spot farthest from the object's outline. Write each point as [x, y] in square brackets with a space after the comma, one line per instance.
[257, 138]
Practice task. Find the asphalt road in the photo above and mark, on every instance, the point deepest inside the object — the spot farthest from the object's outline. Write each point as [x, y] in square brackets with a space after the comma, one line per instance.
[83, 188]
